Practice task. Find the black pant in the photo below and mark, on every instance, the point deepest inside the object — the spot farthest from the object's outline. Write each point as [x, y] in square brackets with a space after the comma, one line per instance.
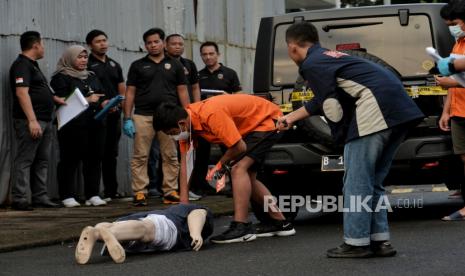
[30, 167]
[80, 144]
[110, 156]
[202, 158]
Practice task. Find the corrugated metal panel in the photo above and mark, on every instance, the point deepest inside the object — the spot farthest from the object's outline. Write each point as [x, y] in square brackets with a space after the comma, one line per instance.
[233, 24]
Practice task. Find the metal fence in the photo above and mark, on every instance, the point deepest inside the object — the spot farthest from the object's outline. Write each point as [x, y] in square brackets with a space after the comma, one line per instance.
[233, 24]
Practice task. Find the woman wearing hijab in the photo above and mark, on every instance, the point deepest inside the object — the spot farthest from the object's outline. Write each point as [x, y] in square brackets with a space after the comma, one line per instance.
[82, 139]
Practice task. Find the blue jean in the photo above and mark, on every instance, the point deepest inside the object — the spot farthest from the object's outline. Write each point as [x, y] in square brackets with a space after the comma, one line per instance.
[367, 162]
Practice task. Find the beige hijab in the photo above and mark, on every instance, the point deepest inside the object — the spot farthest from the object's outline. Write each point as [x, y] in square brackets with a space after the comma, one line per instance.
[65, 63]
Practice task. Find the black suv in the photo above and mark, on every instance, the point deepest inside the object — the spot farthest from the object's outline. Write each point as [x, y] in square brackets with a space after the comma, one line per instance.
[307, 160]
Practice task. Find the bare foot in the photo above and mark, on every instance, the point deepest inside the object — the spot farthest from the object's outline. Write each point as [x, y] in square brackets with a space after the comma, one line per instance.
[115, 249]
[85, 245]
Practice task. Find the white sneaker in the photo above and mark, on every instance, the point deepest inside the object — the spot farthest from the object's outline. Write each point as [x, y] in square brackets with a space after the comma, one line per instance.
[70, 203]
[194, 197]
[95, 201]
[107, 199]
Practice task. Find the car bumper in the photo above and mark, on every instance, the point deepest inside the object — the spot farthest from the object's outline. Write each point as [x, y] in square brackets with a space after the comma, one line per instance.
[414, 148]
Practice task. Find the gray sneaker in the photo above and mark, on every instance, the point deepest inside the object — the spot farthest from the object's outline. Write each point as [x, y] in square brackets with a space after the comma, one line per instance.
[194, 197]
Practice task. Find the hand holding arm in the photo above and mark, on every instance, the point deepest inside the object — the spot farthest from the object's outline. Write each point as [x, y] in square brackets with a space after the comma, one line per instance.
[286, 122]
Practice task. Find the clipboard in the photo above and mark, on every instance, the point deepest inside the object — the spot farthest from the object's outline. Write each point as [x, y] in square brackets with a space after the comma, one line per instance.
[112, 103]
[75, 105]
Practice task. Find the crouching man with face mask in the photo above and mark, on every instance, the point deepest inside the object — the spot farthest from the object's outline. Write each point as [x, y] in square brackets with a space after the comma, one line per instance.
[180, 227]
[239, 122]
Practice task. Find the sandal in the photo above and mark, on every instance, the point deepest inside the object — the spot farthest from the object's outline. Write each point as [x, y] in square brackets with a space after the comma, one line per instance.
[456, 216]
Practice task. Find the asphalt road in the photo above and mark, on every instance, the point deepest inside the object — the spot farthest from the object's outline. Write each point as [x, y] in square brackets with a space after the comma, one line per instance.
[425, 244]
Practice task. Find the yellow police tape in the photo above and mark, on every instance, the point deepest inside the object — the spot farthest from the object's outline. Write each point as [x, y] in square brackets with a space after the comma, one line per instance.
[412, 91]
[297, 96]
[415, 91]
[286, 108]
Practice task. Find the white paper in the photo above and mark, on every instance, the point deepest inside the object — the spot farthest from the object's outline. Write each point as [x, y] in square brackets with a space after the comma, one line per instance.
[190, 156]
[75, 105]
[212, 91]
[460, 77]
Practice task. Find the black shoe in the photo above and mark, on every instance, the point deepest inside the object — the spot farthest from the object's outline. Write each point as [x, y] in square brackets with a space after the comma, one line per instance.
[281, 228]
[21, 206]
[382, 248]
[237, 232]
[46, 204]
[349, 251]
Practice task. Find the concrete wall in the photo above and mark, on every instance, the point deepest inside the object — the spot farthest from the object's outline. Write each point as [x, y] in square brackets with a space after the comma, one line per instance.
[231, 23]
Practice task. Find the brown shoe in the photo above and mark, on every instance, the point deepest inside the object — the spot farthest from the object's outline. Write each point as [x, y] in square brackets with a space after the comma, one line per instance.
[171, 198]
[139, 199]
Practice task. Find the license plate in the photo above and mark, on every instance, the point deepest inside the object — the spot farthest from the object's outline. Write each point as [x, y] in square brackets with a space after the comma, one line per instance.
[331, 163]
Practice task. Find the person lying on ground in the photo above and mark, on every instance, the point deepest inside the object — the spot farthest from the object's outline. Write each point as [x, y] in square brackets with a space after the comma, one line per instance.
[180, 227]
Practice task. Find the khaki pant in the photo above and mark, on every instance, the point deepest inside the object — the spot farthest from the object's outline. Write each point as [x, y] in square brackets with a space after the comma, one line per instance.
[169, 156]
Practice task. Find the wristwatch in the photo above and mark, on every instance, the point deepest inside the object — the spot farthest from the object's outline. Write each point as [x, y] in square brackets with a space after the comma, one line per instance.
[451, 66]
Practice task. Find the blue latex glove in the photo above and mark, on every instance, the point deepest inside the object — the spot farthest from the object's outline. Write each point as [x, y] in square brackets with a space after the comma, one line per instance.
[443, 66]
[128, 128]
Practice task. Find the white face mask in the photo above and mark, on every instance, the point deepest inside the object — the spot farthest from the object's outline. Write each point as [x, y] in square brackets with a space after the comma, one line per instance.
[182, 136]
[456, 31]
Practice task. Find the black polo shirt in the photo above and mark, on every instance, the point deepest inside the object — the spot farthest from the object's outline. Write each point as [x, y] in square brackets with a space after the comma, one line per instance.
[109, 74]
[155, 83]
[192, 75]
[25, 72]
[64, 85]
[223, 78]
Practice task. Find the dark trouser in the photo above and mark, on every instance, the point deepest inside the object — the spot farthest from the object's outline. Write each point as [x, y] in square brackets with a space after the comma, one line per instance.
[30, 168]
[113, 134]
[154, 168]
[80, 143]
[202, 158]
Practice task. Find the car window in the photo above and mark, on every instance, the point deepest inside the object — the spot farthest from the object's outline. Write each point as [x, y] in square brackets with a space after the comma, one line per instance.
[403, 47]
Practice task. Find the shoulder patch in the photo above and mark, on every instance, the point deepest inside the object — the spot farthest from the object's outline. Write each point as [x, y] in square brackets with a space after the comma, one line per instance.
[19, 80]
[334, 54]
[113, 64]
